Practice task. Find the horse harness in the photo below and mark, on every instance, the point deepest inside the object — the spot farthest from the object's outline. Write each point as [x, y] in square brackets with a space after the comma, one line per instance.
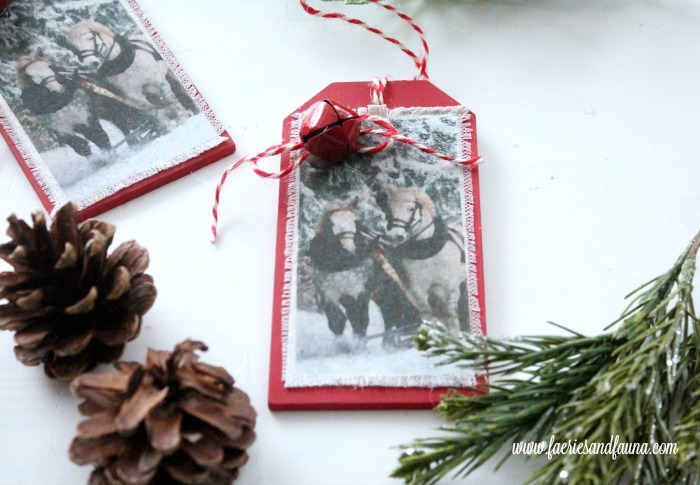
[419, 249]
[43, 83]
[38, 99]
[327, 253]
[124, 60]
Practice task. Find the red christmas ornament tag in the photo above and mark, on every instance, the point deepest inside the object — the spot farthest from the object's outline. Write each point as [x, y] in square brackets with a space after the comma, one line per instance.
[378, 231]
[338, 237]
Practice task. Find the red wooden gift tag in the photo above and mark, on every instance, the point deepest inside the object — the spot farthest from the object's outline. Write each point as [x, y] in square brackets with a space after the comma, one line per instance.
[105, 115]
[282, 395]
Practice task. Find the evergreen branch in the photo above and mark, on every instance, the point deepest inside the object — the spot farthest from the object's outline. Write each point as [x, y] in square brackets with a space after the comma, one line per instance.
[633, 383]
[687, 429]
[634, 397]
[688, 426]
[515, 409]
[530, 354]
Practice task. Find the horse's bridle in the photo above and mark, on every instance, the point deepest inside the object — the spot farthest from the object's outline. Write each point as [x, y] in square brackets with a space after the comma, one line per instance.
[411, 222]
[409, 225]
[44, 81]
[341, 235]
[98, 49]
[48, 79]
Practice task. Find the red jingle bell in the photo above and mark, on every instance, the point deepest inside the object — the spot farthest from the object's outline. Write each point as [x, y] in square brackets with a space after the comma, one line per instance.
[3, 4]
[329, 131]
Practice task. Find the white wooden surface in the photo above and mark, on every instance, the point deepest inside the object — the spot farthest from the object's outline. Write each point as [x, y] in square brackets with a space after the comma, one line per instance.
[587, 117]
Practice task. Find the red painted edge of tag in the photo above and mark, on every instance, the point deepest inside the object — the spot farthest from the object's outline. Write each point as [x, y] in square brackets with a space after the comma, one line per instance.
[224, 149]
[357, 94]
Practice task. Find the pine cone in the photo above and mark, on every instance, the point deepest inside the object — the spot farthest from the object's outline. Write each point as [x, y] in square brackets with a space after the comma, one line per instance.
[71, 306]
[173, 420]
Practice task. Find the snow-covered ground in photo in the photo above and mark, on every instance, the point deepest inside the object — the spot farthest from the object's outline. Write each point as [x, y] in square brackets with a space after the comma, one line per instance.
[317, 357]
[105, 172]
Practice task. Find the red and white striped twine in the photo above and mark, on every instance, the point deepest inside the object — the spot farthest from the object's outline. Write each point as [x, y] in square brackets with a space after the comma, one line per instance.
[385, 129]
[389, 131]
[270, 152]
[378, 87]
[420, 61]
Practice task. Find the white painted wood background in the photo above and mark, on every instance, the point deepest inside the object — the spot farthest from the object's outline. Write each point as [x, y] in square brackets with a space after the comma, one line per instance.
[587, 117]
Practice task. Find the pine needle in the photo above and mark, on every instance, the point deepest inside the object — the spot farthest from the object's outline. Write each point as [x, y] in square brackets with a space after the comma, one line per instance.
[639, 383]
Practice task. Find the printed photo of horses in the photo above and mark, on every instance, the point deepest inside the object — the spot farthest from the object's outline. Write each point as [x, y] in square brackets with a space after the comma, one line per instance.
[97, 102]
[381, 248]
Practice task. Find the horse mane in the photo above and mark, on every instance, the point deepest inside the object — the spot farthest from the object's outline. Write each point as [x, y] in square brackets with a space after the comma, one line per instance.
[24, 61]
[427, 203]
[417, 194]
[81, 28]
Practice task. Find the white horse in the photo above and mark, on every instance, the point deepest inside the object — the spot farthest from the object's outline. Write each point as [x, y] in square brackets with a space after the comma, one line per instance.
[431, 254]
[134, 69]
[62, 108]
[343, 271]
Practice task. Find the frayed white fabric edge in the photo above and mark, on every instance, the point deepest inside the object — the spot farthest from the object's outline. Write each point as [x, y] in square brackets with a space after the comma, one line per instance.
[137, 14]
[469, 225]
[150, 172]
[28, 152]
[291, 250]
[466, 377]
[47, 182]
